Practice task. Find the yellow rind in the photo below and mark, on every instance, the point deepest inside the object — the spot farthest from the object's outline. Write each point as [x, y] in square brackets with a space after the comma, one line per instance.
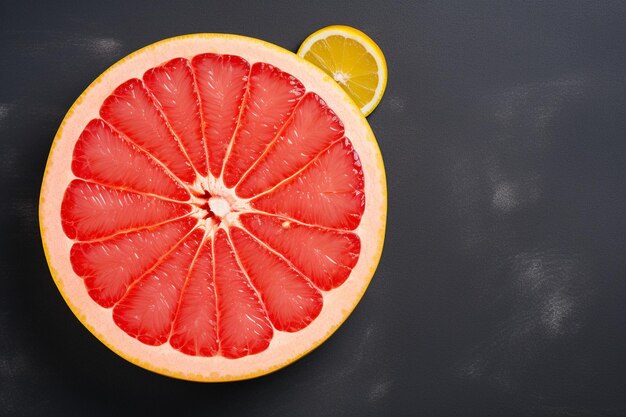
[215, 378]
[356, 34]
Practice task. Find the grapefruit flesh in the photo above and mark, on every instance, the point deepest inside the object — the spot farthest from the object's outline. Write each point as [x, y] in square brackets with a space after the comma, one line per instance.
[213, 205]
[257, 289]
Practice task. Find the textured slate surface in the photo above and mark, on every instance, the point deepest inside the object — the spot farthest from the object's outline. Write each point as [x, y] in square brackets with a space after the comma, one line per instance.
[502, 288]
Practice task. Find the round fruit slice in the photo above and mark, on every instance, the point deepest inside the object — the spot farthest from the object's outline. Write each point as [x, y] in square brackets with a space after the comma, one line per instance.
[213, 207]
[352, 59]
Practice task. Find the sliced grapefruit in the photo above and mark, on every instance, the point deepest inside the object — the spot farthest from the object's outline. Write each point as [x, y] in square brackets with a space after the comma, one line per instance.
[213, 207]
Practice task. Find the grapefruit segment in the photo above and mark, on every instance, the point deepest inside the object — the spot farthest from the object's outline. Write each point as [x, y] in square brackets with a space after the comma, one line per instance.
[173, 86]
[103, 156]
[147, 310]
[132, 112]
[221, 81]
[325, 256]
[313, 127]
[110, 266]
[195, 328]
[92, 211]
[292, 302]
[243, 326]
[272, 96]
[328, 192]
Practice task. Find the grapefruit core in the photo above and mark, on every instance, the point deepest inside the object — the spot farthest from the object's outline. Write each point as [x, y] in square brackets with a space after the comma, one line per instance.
[213, 207]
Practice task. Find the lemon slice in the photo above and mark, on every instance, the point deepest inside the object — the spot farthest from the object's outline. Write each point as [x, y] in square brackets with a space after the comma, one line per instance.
[352, 59]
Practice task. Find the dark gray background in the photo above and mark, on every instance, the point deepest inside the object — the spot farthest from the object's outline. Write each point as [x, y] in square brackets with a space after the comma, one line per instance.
[501, 290]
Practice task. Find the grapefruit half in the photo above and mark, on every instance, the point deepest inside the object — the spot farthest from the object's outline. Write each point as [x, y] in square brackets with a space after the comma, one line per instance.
[213, 207]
